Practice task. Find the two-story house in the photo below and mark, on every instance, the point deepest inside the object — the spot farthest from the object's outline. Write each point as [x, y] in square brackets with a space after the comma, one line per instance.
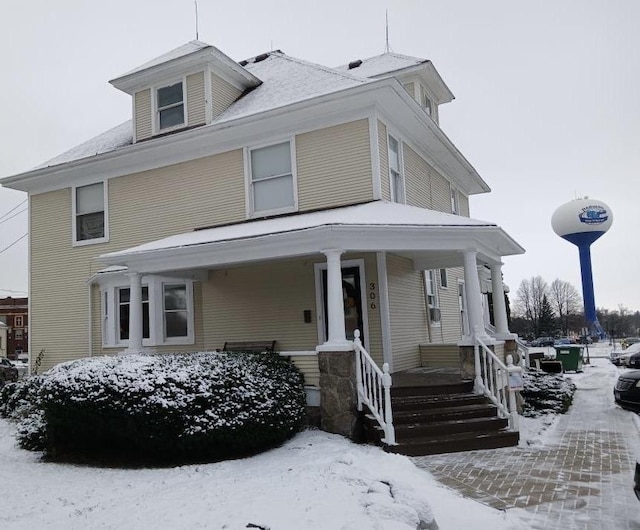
[270, 198]
[14, 314]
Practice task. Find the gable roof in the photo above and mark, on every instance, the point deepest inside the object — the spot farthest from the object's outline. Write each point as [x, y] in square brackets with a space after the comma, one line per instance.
[181, 51]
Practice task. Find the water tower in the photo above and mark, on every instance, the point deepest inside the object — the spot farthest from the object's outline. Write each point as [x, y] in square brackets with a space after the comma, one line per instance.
[581, 222]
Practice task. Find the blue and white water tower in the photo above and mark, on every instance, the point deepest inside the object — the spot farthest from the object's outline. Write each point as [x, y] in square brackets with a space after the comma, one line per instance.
[581, 222]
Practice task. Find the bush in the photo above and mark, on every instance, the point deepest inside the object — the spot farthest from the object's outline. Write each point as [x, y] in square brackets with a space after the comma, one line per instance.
[20, 401]
[168, 409]
[546, 393]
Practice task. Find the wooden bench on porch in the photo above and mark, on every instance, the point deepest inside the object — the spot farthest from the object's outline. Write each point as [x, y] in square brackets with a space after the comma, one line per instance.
[254, 346]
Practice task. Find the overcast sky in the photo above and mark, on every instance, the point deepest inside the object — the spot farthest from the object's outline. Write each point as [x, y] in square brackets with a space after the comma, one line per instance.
[546, 109]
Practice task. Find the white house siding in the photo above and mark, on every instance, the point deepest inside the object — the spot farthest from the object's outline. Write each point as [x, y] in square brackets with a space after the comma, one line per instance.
[223, 94]
[417, 179]
[142, 117]
[334, 166]
[195, 99]
[407, 312]
[383, 149]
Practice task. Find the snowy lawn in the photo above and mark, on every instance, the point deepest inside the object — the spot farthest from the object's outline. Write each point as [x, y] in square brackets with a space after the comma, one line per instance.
[314, 481]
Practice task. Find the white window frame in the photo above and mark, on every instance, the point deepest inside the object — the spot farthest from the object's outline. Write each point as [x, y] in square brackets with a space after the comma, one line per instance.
[18, 321]
[398, 140]
[431, 290]
[156, 110]
[109, 291]
[249, 198]
[74, 215]
[444, 279]
[424, 95]
[455, 200]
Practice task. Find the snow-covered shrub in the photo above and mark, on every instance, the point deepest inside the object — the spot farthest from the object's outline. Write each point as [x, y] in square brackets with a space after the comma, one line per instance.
[171, 408]
[546, 393]
[20, 402]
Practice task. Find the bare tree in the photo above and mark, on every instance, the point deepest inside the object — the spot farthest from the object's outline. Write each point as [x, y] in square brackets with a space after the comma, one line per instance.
[565, 300]
[529, 300]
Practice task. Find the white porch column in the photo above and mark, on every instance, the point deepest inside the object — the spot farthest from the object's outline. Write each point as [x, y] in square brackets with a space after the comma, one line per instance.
[337, 337]
[474, 296]
[499, 306]
[135, 312]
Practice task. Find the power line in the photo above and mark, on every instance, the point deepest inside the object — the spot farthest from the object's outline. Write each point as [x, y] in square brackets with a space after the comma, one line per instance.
[12, 291]
[12, 209]
[14, 215]
[8, 247]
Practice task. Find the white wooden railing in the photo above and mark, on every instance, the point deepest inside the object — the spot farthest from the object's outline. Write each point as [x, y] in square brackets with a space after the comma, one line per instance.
[374, 389]
[497, 381]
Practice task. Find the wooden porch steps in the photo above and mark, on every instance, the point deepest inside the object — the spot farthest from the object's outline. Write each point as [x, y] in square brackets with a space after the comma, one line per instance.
[441, 416]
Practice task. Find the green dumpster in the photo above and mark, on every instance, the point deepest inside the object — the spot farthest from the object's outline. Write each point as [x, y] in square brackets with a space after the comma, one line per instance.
[570, 357]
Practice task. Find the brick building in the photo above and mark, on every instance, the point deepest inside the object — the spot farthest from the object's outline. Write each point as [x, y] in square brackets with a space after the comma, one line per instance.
[14, 312]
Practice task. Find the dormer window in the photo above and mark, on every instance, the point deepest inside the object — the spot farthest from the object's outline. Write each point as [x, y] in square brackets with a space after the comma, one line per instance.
[426, 103]
[170, 106]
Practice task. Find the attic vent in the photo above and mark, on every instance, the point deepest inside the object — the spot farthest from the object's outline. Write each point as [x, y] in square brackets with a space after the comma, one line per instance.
[243, 63]
[261, 57]
[355, 64]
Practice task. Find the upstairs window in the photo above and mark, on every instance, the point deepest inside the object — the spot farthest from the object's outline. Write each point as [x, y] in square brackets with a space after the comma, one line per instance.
[170, 106]
[455, 201]
[89, 213]
[444, 281]
[18, 321]
[426, 103]
[395, 171]
[272, 179]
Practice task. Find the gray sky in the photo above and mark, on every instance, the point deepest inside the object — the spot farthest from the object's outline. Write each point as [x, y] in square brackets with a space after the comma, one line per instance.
[546, 106]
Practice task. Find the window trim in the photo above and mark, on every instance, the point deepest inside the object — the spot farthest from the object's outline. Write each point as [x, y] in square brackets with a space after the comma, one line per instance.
[110, 313]
[454, 193]
[74, 215]
[444, 279]
[399, 141]
[18, 321]
[249, 195]
[156, 111]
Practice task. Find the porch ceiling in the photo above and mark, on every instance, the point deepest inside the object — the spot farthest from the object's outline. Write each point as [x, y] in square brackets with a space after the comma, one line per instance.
[432, 239]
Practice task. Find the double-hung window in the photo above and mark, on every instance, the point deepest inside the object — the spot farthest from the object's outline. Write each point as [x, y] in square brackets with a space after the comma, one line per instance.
[272, 185]
[90, 220]
[124, 300]
[431, 295]
[175, 311]
[170, 106]
[395, 171]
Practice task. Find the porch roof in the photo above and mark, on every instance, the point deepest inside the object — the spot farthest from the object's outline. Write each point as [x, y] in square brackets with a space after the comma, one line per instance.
[431, 238]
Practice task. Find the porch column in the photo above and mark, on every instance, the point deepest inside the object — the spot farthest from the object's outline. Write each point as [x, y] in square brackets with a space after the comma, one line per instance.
[474, 296]
[499, 306]
[135, 312]
[337, 337]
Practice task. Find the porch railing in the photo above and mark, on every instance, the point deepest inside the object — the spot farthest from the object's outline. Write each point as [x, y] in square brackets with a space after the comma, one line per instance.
[374, 389]
[523, 350]
[494, 380]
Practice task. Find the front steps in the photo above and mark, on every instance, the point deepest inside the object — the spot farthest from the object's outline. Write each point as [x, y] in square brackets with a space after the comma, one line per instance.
[443, 418]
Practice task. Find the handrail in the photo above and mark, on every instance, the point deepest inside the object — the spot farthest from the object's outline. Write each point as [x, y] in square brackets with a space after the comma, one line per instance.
[374, 389]
[493, 380]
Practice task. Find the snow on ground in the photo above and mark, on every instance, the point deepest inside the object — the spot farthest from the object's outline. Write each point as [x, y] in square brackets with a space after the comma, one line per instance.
[315, 481]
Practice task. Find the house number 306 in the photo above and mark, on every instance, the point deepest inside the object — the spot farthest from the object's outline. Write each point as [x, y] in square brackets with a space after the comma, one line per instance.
[372, 295]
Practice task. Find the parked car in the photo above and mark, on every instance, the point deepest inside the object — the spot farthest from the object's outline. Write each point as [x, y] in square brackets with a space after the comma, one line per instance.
[627, 390]
[8, 372]
[615, 357]
[543, 341]
[563, 341]
[625, 356]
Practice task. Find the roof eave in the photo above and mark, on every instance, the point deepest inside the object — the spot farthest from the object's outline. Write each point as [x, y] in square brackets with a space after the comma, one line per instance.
[443, 93]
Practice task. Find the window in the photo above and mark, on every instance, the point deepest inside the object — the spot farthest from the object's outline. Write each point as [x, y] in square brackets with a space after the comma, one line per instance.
[89, 213]
[124, 296]
[271, 179]
[444, 282]
[426, 102]
[18, 321]
[395, 171]
[18, 334]
[167, 311]
[170, 106]
[175, 311]
[431, 295]
[455, 201]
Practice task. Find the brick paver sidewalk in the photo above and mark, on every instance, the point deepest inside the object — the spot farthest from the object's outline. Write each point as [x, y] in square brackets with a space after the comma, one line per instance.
[580, 479]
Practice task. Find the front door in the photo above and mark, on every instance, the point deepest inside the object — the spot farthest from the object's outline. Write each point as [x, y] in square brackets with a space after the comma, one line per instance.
[354, 311]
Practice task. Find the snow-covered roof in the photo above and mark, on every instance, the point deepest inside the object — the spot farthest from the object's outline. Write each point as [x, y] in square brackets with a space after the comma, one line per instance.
[381, 64]
[376, 213]
[176, 53]
[119, 136]
[287, 80]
